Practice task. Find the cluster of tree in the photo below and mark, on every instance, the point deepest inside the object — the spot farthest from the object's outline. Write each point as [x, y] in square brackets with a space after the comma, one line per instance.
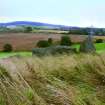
[81, 31]
[4, 29]
[86, 31]
[74, 31]
[26, 29]
[65, 41]
[45, 43]
[100, 32]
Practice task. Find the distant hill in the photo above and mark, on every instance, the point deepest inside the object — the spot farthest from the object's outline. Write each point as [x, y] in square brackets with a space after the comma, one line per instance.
[37, 24]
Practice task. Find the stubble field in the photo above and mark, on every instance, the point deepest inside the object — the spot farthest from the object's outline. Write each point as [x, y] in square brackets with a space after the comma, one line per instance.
[27, 41]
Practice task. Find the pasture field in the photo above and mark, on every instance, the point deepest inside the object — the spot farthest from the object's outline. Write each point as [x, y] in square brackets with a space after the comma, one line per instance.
[23, 43]
[27, 41]
[100, 48]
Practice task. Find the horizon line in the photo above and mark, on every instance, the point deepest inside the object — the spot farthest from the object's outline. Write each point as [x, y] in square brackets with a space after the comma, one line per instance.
[50, 23]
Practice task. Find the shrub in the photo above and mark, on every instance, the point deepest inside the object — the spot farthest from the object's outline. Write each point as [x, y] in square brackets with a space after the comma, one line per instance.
[7, 48]
[99, 40]
[43, 43]
[28, 29]
[66, 41]
[50, 41]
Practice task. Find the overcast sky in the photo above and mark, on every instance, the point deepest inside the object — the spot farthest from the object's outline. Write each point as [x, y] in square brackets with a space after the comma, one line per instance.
[67, 12]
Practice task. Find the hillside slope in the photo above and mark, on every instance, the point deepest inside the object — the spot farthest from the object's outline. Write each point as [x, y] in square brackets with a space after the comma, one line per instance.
[59, 80]
[36, 24]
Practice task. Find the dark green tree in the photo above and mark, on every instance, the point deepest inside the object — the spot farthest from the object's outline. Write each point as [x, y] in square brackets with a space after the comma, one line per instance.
[50, 41]
[43, 43]
[7, 48]
[100, 32]
[65, 40]
[99, 41]
[28, 29]
[81, 31]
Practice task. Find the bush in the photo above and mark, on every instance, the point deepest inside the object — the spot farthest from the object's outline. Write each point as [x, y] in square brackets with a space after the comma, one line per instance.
[7, 48]
[50, 41]
[66, 41]
[99, 40]
[43, 43]
[28, 29]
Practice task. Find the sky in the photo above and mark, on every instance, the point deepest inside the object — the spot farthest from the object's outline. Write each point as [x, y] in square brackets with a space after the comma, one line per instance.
[82, 13]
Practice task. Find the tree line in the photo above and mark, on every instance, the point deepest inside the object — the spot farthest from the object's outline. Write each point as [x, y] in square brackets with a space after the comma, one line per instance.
[74, 31]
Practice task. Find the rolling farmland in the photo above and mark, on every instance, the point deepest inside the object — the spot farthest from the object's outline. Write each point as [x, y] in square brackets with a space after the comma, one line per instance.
[27, 41]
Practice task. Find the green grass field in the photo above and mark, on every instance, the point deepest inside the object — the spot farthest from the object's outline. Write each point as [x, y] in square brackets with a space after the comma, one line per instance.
[6, 54]
[100, 47]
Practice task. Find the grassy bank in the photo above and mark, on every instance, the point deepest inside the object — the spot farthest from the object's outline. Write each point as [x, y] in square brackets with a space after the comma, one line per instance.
[59, 80]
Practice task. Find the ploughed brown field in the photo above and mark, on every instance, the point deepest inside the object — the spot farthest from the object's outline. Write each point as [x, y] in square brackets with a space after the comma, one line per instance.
[27, 41]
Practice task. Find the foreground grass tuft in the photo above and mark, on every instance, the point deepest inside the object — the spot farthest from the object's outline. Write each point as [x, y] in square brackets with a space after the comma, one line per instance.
[53, 80]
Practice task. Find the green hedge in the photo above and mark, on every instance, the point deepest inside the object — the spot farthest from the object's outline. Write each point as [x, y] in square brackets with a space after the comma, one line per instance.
[53, 50]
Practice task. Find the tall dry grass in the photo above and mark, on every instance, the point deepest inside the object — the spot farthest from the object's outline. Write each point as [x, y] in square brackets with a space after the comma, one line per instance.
[53, 80]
